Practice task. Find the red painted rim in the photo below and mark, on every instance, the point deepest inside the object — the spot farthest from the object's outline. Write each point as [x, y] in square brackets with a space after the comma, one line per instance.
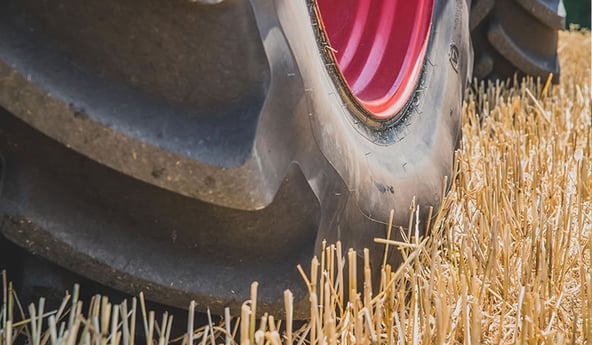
[379, 46]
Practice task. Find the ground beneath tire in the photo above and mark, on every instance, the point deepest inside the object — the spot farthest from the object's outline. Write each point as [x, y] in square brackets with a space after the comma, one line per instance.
[508, 259]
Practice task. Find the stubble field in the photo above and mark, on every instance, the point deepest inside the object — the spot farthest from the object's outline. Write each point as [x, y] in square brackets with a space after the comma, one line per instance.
[508, 259]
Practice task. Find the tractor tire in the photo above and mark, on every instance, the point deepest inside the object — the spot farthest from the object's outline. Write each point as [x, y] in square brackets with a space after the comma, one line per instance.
[185, 149]
[516, 36]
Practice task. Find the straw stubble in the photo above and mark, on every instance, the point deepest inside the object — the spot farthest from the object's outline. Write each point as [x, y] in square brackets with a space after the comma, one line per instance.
[507, 259]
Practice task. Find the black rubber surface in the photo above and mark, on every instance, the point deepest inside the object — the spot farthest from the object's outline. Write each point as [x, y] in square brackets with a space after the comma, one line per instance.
[110, 173]
[516, 36]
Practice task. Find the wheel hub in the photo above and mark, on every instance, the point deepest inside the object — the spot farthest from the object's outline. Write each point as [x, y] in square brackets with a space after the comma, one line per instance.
[379, 47]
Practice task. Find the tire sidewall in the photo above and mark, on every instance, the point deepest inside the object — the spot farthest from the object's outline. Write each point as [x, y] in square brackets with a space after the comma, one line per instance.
[386, 169]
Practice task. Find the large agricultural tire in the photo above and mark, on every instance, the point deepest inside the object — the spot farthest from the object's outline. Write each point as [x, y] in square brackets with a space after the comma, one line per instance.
[516, 36]
[217, 145]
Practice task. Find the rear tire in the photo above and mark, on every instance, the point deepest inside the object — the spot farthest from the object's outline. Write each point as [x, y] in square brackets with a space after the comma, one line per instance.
[142, 180]
[516, 36]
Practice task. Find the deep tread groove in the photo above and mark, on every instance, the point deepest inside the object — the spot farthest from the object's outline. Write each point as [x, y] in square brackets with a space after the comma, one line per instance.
[516, 36]
[479, 10]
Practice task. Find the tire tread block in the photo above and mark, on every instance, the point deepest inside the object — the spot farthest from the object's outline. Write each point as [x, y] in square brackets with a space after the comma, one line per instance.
[516, 36]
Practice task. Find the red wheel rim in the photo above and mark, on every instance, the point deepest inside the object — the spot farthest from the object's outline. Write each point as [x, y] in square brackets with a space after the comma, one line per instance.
[379, 46]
